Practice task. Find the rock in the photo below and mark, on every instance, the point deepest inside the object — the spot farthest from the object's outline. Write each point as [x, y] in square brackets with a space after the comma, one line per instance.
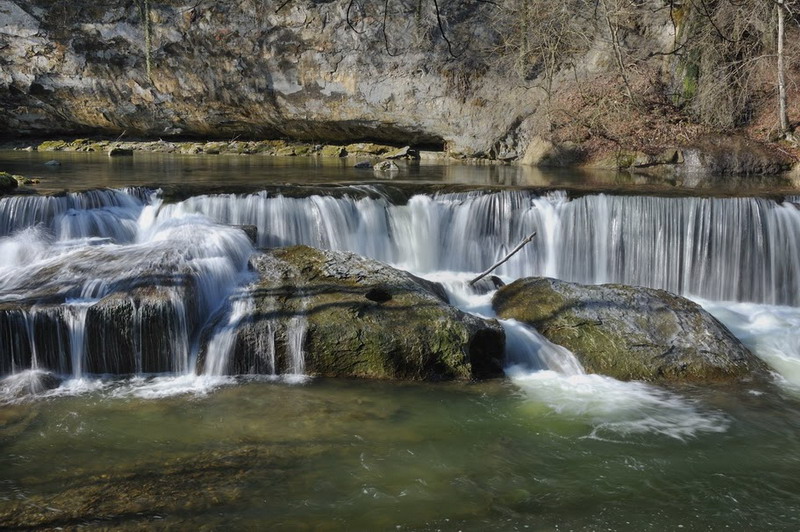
[119, 152]
[363, 165]
[286, 152]
[402, 153]
[333, 151]
[629, 333]
[367, 148]
[387, 167]
[251, 231]
[138, 330]
[7, 183]
[53, 163]
[711, 159]
[542, 152]
[361, 318]
[52, 145]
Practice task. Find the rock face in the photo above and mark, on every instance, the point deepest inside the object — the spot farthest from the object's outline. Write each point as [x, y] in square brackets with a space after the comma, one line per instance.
[629, 333]
[224, 69]
[355, 317]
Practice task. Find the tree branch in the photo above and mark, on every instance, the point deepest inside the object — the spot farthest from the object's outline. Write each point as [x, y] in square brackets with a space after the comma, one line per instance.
[504, 259]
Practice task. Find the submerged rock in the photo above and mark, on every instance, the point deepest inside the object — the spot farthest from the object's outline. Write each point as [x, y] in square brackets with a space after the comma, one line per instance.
[630, 333]
[353, 317]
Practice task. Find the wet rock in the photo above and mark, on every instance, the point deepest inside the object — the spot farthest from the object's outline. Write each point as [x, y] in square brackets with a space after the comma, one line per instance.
[356, 317]
[144, 329]
[119, 152]
[630, 333]
[363, 165]
[403, 153]
[53, 163]
[387, 167]
[251, 231]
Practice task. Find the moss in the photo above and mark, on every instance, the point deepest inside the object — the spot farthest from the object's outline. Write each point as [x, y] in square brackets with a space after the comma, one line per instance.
[410, 335]
[8, 182]
[52, 145]
[629, 333]
[333, 151]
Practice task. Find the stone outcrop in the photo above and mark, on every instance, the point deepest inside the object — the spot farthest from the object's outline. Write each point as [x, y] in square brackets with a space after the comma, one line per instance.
[332, 72]
[356, 317]
[630, 333]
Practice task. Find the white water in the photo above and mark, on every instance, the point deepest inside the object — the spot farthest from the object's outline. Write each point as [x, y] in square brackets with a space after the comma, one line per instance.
[553, 379]
[770, 331]
[82, 248]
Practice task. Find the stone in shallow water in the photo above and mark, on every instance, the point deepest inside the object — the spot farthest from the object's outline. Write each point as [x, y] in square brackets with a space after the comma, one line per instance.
[360, 318]
[627, 332]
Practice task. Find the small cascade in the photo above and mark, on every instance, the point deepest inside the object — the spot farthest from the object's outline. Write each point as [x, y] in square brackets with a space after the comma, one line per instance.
[527, 350]
[221, 346]
[93, 211]
[295, 339]
[76, 324]
[104, 292]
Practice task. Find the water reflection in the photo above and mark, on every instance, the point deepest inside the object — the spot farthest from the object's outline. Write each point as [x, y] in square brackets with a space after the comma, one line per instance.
[81, 171]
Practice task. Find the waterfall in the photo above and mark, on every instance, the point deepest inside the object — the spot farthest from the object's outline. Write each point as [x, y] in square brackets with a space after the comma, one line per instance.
[115, 281]
[742, 249]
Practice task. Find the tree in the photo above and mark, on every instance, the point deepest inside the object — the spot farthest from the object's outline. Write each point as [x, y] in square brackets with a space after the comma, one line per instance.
[783, 118]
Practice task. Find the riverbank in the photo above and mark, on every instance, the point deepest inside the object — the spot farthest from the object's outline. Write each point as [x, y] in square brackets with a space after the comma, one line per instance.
[718, 166]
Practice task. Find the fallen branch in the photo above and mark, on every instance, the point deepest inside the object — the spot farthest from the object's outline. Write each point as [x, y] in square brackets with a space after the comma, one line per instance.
[504, 259]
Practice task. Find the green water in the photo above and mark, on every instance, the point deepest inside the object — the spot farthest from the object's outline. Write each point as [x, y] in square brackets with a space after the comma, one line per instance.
[353, 455]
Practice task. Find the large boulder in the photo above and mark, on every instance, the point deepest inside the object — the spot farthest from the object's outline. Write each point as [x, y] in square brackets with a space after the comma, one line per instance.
[630, 333]
[346, 315]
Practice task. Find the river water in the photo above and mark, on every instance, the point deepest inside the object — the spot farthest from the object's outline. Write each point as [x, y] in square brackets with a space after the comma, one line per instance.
[547, 448]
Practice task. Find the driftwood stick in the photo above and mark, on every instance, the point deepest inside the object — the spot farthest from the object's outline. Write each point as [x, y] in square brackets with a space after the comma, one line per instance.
[504, 259]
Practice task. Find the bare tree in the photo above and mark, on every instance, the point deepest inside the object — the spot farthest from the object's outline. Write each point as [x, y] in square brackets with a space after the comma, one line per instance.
[783, 118]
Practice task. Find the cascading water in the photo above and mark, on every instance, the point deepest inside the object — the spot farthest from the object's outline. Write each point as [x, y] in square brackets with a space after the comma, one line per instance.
[125, 254]
[738, 249]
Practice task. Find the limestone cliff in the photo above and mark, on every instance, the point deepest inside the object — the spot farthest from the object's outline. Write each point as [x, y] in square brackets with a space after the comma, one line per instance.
[337, 71]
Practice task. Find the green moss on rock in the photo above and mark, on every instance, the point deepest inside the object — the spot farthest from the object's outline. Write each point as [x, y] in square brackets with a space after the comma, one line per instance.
[630, 333]
[407, 331]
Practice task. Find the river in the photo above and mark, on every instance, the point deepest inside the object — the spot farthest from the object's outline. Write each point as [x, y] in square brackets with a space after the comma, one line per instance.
[545, 449]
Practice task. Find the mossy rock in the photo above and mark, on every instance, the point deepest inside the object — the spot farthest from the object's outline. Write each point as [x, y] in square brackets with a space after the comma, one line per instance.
[333, 151]
[361, 318]
[368, 148]
[288, 151]
[53, 145]
[630, 333]
[8, 182]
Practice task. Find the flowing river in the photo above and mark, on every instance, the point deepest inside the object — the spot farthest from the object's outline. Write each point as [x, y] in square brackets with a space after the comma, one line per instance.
[90, 438]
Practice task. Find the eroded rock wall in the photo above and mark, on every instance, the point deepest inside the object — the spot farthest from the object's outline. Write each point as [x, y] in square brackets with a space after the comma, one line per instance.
[252, 68]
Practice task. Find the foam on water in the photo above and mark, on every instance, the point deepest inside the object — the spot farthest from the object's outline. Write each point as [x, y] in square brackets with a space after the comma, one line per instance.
[615, 409]
[551, 376]
[769, 331]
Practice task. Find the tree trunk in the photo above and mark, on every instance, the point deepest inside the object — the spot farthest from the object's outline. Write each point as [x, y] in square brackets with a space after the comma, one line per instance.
[784, 119]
